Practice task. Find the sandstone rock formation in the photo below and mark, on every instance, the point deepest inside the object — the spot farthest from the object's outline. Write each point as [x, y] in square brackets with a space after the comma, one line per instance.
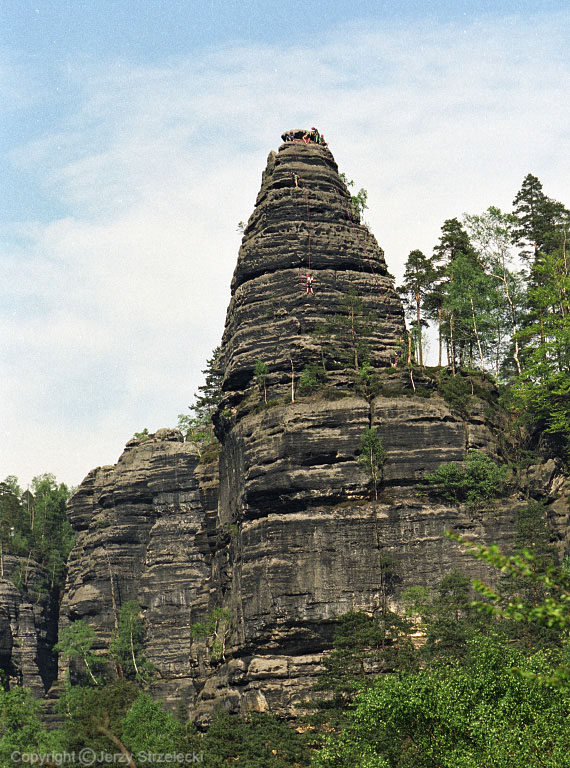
[28, 626]
[281, 536]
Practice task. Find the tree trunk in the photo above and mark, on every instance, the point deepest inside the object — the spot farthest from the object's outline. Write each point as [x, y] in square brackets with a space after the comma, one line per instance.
[452, 344]
[477, 335]
[419, 321]
[440, 337]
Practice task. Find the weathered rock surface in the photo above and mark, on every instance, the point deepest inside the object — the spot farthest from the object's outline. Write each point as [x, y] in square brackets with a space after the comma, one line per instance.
[28, 626]
[297, 228]
[143, 534]
[281, 536]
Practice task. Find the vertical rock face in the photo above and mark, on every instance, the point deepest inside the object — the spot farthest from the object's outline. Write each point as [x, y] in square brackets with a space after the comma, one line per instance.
[270, 545]
[28, 626]
[143, 529]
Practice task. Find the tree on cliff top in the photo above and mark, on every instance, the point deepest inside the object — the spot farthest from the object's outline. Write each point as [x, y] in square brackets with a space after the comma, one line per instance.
[419, 275]
[197, 426]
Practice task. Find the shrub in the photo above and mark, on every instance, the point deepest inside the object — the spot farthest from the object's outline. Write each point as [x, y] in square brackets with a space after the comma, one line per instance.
[310, 379]
[456, 391]
[478, 479]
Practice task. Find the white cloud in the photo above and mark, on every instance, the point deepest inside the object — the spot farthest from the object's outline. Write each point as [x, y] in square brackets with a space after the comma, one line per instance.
[114, 309]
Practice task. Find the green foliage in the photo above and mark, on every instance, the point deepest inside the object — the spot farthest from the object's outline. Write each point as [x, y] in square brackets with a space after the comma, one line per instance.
[197, 426]
[21, 729]
[126, 648]
[146, 727]
[256, 741]
[216, 629]
[419, 276]
[260, 373]
[367, 380]
[34, 525]
[373, 456]
[363, 645]
[310, 378]
[544, 598]
[75, 643]
[91, 714]
[359, 200]
[457, 391]
[479, 479]
[143, 435]
[472, 715]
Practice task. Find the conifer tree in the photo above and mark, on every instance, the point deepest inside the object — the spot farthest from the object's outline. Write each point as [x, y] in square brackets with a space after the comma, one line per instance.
[419, 276]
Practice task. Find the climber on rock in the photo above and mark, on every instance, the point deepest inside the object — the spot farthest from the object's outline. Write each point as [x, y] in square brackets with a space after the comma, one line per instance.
[296, 178]
[309, 280]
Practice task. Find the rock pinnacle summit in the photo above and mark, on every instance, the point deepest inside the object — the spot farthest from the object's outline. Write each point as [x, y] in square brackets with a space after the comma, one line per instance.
[304, 223]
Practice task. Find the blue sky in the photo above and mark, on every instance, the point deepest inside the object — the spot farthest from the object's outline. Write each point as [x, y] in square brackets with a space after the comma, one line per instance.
[134, 135]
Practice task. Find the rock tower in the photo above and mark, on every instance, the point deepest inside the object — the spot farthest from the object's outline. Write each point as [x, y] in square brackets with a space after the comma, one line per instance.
[305, 222]
[270, 541]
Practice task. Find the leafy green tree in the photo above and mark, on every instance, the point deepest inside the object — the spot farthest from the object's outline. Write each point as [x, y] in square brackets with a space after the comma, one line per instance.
[450, 619]
[454, 318]
[310, 378]
[126, 648]
[256, 741]
[93, 717]
[21, 729]
[359, 200]
[210, 392]
[492, 234]
[544, 598]
[147, 728]
[535, 215]
[543, 390]
[76, 643]
[34, 525]
[480, 713]
[197, 426]
[363, 646]
[216, 629]
[373, 456]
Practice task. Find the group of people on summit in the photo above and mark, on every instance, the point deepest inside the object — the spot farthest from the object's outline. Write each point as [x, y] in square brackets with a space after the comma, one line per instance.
[312, 135]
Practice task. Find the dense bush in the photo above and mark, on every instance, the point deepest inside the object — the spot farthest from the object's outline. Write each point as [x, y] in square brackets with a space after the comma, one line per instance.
[477, 480]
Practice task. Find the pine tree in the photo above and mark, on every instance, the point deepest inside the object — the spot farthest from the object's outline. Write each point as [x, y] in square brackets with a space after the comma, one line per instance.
[454, 259]
[419, 276]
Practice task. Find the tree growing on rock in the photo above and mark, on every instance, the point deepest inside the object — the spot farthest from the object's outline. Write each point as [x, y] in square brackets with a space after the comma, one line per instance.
[126, 648]
[75, 643]
[261, 371]
[373, 457]
[419, 275]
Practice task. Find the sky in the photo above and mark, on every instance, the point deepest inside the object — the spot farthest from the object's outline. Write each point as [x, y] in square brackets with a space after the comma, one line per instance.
[133, 138]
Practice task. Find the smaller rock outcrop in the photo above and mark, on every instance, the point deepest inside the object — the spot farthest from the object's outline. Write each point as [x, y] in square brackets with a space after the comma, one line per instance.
[28, 625]
[143, 534]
